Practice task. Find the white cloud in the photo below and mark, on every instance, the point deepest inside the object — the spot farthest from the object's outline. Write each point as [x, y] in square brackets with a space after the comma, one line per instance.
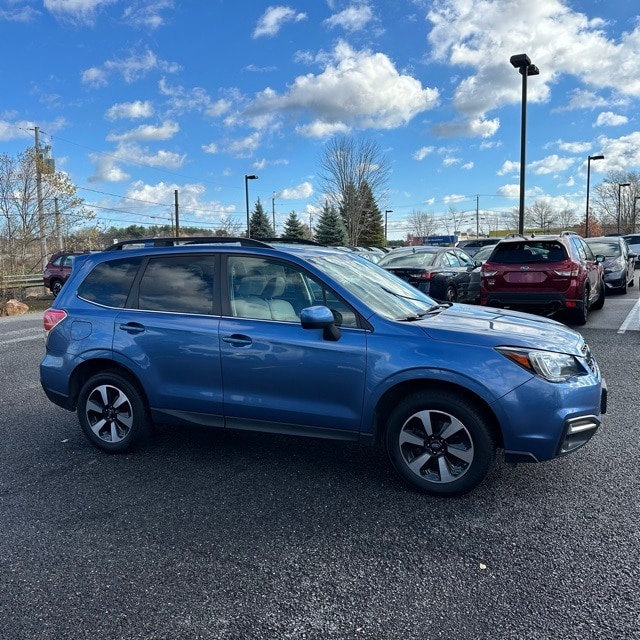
[610, 119]
[130, 69]
[621, 154]
[274, 18]
[560, 41]
[467, 166]
[147, 14]
[320, 129]
[574, 147]
[130, 110]
[551, 164]
[472, 127]
[422, 153]
[301, 192]
[354, 18]
[82, 11]
[357, 88]
[509, 167]
[147, 133]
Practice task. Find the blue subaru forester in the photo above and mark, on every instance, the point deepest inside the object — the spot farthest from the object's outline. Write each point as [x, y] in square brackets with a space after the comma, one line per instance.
[309, 340]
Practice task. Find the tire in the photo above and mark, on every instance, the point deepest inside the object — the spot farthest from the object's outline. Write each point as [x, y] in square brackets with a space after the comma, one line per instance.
[451, 295]
[581, 313]
[56, 286]
[439, 443]
[599, 303]
[113, 413]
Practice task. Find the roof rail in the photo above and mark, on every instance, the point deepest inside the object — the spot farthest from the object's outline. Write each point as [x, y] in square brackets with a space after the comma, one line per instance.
[569, 233]
[170, 242]
[291, 240]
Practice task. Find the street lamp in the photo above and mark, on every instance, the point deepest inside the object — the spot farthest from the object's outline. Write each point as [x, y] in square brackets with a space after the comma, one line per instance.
[386, 242]
[522, 62]
[586, 218]
[620, 185]
[636, 198]
[246, 192]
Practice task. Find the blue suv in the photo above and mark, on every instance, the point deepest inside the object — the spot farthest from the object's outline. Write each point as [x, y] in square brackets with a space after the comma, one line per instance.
[308, 340]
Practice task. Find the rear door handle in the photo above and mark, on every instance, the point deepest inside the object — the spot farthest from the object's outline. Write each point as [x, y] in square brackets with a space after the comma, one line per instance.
[132, 327]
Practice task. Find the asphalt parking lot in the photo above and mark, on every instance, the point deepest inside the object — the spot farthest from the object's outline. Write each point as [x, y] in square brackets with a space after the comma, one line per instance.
[211, 535]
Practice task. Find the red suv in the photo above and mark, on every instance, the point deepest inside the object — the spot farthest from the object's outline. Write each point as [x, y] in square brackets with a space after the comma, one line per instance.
[58, 269]
[544, 274]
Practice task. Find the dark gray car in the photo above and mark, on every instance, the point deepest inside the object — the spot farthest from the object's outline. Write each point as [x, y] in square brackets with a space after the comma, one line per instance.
[619, 264]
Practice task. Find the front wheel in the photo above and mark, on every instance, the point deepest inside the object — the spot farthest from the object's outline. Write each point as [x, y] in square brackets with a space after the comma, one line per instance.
[112, 412]
[439, 443]
[56, 287]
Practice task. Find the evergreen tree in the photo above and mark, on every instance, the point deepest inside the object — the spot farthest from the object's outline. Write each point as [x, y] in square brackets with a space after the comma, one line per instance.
[259, 223]
[293, 227]
[372, 224]
[330, 229]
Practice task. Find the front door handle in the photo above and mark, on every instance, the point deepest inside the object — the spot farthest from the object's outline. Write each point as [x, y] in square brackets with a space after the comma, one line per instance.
[132, 327]
[238, 340]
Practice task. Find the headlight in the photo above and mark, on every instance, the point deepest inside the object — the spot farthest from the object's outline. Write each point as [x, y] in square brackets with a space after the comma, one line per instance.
[550, 365]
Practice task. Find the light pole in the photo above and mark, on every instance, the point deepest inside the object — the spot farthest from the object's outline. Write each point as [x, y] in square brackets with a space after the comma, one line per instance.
[620, 185]
[635, 199]
[522, 62]
[386, 241]
[246, 192]
[586, 218]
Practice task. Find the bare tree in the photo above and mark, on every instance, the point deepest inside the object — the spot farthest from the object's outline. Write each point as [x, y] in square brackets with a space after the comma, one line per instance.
[614, 204]
[422, 224]
[567, 218]
[350, 170]
[540, 215]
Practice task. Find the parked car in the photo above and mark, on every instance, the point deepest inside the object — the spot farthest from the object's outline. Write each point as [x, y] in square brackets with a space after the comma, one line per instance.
[58, 270]
[633, 240]
[619, 264]
[445, 273]
[313, 341]
[482, 254]
[473, 245]
[544, 274]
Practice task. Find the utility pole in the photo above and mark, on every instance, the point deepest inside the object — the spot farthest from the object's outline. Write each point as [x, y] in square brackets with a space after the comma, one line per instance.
[58, 227]
[273, 212]
[41, 225]
[175, 201]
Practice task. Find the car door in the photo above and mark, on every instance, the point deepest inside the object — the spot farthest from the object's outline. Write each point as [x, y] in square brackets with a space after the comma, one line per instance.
[470, 276]
[168, 334]
[278, 376]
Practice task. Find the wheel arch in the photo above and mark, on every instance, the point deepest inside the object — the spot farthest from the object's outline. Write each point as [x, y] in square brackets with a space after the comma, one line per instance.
[95, 366]
[395, 394]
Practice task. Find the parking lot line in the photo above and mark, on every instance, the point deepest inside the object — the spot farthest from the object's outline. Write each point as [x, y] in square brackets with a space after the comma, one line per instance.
[632, 321]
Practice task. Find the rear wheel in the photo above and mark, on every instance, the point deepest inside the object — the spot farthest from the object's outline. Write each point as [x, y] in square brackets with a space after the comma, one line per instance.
[440, 443]
[581, 313]
[56, 286]
[113, 413]
[451, 294]
[599, 303]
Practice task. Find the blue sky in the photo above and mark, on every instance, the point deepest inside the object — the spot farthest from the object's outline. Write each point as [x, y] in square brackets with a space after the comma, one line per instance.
[140, 98]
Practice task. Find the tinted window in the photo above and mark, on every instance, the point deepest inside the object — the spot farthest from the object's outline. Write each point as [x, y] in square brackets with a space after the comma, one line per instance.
[180, 284]
[110, 282]
[409, 259]
[531, 251]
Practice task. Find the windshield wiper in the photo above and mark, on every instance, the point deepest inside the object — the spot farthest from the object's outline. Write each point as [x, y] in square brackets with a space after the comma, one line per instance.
[436, 308]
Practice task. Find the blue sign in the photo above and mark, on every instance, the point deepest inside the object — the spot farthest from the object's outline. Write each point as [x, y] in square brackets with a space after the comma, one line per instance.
[443, 241]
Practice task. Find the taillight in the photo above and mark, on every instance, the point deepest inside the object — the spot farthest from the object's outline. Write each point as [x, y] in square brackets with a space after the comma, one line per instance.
[424, 275]
[52, 317]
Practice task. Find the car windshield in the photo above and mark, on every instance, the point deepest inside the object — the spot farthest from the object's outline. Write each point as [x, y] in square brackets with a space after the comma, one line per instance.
[606, 248]
[409, 259]
[383, 292]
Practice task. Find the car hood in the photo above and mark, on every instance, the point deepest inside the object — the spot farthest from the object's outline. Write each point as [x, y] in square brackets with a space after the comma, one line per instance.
[469, 324]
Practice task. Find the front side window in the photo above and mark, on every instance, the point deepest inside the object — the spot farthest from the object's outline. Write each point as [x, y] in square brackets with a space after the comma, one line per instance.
[109, 283]
[266, 289]
[178, 284]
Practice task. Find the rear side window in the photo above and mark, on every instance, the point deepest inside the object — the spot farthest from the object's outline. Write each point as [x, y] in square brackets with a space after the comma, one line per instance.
[109, 283]
[179, 284]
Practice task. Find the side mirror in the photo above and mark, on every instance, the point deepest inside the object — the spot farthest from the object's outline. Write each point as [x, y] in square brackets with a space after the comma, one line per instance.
[320, 317]
[600, 258]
